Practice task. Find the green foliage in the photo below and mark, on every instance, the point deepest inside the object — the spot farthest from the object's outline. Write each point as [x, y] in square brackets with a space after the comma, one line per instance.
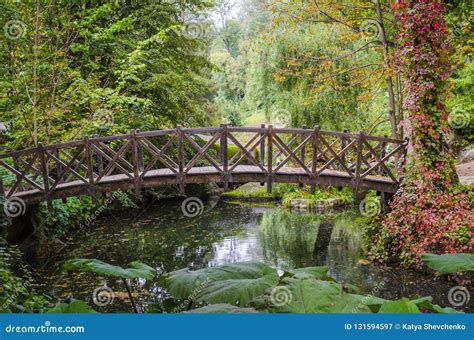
[221, 308]
[102, 67]
[449, 263]
[404, 306]
[136, 270]
[65, 215]
[74, 307]
[18, 294]
[227, 289]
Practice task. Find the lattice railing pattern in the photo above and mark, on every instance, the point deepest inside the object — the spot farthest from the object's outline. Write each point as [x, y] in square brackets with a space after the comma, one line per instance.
[181, 151]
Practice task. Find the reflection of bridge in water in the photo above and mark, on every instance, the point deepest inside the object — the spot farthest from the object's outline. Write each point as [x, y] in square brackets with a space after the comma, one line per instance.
[223, 155]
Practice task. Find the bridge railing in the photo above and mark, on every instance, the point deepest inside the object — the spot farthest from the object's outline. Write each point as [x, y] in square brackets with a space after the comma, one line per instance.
[180, 152]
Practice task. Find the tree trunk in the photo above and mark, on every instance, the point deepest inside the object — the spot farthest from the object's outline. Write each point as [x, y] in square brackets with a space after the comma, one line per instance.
[387, 66]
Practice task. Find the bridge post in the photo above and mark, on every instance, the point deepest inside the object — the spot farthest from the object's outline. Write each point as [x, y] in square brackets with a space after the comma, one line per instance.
[179, 135]
[314, 165]
[45, 173]
[343, 146]
[136, 163]
[90, 168]
[270, 159]
[303, 149]
[100, 161]
[262, 149]
[141, 165]
[224, 157]
[356, 180]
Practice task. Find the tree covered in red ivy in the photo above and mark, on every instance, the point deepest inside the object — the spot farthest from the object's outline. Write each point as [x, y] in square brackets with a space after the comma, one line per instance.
[431, 212]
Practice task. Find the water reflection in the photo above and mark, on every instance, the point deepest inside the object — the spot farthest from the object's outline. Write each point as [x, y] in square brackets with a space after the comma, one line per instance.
[162, 237]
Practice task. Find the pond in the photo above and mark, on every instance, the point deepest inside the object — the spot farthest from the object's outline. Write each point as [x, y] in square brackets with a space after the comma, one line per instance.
[226, 232]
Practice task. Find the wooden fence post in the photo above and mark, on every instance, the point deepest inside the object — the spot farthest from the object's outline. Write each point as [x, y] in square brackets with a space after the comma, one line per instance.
[179, 134]
[135, 163]
[314, 165]
[343, 146]
[224, 156]
[45, 173]
[360, 144]
[270, 159]
[90, 168]
[262, 149]
[141, 162]
[303, 149]
[100, 161]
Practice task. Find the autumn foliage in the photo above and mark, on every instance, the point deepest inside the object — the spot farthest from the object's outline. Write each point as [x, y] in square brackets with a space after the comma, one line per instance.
[431, 212]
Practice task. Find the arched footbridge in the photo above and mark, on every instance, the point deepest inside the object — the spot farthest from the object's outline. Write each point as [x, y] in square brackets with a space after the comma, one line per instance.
[224, 155]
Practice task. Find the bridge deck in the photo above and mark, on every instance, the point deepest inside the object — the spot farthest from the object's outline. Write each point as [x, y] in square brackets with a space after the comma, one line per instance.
[241, 174]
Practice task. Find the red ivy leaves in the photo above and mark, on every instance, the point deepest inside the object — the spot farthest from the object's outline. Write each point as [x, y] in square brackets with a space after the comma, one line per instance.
[427, 215]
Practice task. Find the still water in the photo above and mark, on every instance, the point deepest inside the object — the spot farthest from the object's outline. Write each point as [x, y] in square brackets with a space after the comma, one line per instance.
[227, 232]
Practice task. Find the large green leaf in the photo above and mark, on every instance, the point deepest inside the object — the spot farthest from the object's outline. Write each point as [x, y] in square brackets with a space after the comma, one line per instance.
[319, 273]
[449, 263]
[136, 270]
[76, 306]
[221, 308]
[399, 306]
[314, 296]
[182, 284]
[426, 303]
[238, 292]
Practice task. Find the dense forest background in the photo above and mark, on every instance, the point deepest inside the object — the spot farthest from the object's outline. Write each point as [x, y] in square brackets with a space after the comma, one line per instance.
[84, 67]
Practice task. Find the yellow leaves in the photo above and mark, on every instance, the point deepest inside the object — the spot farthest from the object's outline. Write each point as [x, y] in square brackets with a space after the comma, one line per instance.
[293, 62]
[279, 77]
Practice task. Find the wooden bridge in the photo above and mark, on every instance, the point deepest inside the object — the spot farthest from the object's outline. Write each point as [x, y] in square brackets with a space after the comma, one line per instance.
[224, 155]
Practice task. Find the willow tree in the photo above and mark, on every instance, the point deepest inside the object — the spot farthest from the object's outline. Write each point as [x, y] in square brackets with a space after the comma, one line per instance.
[359, 50]
[431, 212]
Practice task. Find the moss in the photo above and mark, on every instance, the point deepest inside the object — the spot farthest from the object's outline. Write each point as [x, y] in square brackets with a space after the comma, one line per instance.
[288, 192]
